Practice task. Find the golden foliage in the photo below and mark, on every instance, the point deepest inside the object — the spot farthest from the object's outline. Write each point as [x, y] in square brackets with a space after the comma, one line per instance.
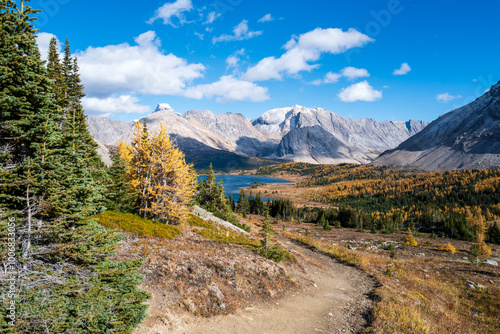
[448, 248]
[165, 184]
[409, 239]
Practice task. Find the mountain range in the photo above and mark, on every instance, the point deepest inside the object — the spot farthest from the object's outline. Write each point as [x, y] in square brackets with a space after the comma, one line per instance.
[465, 138]
[296, 133]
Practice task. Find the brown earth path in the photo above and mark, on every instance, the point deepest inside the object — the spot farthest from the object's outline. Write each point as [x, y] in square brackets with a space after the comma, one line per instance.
[335, 298]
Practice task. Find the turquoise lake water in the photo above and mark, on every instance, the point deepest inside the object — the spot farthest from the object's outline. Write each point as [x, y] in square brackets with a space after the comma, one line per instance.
[233, 183]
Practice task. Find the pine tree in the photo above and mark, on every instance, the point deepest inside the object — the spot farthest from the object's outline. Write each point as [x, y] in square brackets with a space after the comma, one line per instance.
[494, 234]
[173, 180]
[211, 196]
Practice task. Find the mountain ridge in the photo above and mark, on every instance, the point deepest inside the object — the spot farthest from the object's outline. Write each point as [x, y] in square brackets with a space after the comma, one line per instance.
[278, 133]
[465, 138]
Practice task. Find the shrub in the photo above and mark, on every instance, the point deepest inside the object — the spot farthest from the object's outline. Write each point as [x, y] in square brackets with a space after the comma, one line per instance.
[274, 253]
[486, 251]
[133, 223]
[409, 239]
[448, 248]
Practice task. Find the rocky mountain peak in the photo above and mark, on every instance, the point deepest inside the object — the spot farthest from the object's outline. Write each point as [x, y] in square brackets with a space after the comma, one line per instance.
[164, 107]
[464, 138]
[495, 90]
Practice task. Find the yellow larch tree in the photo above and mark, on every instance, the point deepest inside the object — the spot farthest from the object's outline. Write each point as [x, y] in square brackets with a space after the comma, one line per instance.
[476, 219]
[163, 181]
[173, 180]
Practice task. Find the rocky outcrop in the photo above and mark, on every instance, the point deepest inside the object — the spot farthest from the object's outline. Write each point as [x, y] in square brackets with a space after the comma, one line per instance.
[208, 216]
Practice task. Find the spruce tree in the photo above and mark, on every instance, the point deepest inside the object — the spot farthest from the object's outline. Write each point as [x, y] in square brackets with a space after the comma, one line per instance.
[119, 194]
[243, 205]
[62, 262]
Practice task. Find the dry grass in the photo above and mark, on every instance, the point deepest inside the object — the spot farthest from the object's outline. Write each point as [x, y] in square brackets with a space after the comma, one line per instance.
[424, 295]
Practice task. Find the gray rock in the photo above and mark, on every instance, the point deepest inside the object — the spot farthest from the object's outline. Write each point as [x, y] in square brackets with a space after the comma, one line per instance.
[297, 133]
[474, 285]
[491, 263]
[208, 216]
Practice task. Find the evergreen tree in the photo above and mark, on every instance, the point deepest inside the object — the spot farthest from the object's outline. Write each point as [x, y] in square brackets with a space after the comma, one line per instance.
[65, 279]
[494, 234]
[211, 196]
[119, 194]
[268, 248]
[243, 206]
[259, 204]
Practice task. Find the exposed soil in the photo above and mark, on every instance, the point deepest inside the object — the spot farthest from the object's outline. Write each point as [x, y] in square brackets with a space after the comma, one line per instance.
[331, 298]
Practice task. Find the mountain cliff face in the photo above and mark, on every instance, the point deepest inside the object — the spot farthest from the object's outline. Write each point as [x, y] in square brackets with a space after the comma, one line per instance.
[297, 133]
[237, 129]
[315, 145]
[465, 138]
[365, 137]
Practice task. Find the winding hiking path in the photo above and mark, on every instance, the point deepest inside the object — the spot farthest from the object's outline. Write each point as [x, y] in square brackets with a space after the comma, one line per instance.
[335, 299]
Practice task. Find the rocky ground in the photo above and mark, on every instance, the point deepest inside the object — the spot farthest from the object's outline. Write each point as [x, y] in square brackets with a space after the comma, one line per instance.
[202, 286]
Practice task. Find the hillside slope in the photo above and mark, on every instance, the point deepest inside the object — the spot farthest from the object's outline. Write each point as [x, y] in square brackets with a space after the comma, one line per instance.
[465, 138]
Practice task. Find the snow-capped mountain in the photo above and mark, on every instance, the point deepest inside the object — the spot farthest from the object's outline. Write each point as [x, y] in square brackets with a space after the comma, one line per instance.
[365, 138]
[465, 138]
[296, 133]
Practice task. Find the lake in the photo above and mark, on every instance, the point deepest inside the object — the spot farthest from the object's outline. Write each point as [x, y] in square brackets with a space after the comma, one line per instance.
[233, 183]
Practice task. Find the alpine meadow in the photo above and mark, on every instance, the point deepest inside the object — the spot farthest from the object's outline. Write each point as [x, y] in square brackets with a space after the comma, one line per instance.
[324, 167]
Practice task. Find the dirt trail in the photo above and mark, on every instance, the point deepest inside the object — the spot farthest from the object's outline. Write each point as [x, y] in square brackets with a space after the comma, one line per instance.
[335, 299]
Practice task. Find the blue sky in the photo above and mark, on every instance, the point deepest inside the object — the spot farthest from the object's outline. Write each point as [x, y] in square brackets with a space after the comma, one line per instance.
[387, 60]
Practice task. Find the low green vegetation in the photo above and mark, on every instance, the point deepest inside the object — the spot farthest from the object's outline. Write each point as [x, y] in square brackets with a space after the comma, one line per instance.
[133, 223]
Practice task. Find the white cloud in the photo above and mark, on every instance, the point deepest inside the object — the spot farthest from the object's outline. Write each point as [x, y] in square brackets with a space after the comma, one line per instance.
[43, 41]
[228, 89]
[446, 97]
[110, 105]
[353, 73]
[211, 17]
[404, 69]
[266, 18]
[329, 78]
[306, 48]
[200, 36]
[169, 10]
[240, 33]
[126, 69]
[233, 61]
[361, 91]
[350, 73]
